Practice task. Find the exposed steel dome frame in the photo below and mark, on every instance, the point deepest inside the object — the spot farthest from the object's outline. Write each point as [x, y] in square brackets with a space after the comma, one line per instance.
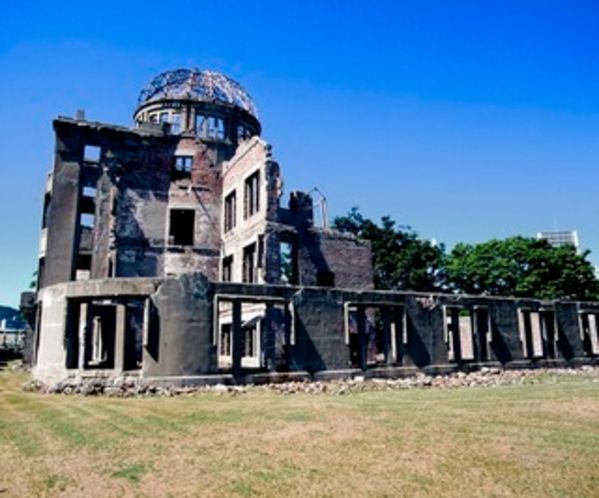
[200, 85]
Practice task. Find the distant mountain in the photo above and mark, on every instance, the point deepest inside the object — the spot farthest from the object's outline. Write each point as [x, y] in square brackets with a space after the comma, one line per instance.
[8, 312]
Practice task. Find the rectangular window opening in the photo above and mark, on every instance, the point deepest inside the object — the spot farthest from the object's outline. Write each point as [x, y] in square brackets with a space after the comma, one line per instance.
[100, 336]
[89, 192]
[227, 272]
[288, 262]
[249, 264]
[225, 340]
[201, 125]
[176, 124]
[459, 334]
[211, 127]
[46, 212]
[87, 220]
[252, 195]
[590, 333]
[531, 334]
[230, 220]
[482, 329]
[220, 129]
[374, 335]
[182, 227]
[183, 164]
[92, 153]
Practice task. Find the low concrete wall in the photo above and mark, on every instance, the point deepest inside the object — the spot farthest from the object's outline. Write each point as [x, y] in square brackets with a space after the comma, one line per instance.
[181, 329]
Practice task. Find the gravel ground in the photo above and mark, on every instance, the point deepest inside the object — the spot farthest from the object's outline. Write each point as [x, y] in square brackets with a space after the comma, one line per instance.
[483, 378]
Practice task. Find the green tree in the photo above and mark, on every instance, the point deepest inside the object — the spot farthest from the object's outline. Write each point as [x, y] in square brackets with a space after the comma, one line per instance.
[522, 267]
[402, 261]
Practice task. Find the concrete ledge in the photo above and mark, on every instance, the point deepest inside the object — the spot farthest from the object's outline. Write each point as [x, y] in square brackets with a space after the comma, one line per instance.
[325, 375]
[274, 377]
[391, 372]
[440, 369]
[190, 380]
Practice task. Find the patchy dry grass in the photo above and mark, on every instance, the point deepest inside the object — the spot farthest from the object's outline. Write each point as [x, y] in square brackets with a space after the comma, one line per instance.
[528, 440]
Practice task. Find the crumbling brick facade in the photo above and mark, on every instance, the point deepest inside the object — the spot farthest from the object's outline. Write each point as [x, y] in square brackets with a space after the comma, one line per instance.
[167, 253]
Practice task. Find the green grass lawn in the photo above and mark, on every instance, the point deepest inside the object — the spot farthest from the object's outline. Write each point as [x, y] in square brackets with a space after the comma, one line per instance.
[538, 439]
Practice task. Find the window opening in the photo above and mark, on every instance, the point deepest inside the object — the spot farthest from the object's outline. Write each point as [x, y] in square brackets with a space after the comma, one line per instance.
[211, 127]
[252, 194]
[46, 212]
[89, 192]
[135, 321]
[260, 258]
[201, 125]
[225, 340]
[482, 333]
[249, 264]
[458, 334]
[183, 164]
[230, 211]
[288, 262]
[325, 278]
[264, 334]
[531, 334]
[101, 335]
[548, 335]
[227, 273]
[92, 153]
[220, 129]
[374, 335]
[590, 333]
[182, 227]
[176, 124]
[87, 220]
[83, 265]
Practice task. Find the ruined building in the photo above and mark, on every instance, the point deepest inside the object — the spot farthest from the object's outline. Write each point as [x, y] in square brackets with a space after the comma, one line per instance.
[168, 252]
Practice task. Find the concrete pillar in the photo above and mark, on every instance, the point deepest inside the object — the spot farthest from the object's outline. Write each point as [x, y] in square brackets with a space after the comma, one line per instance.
[399, 331]
[288, 326]
[455, 335]
[236, 338]
[388, 339]
[83, 336]
[362, 339]
[119, 339]
[267, 338]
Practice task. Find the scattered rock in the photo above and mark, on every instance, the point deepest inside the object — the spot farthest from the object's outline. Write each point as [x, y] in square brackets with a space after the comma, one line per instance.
[484, 378]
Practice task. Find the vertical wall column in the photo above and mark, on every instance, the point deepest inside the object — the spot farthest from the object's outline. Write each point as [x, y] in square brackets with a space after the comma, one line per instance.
[480, 332]
[388, 339]
[236, 338]
[119, 340]
[83, 336]
[362, 339]
[455, 332]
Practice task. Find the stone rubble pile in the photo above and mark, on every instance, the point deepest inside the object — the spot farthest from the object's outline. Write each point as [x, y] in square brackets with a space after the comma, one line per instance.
[483, 378]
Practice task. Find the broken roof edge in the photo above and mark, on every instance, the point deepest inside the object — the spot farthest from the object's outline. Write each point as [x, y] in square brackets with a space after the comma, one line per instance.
[156, 130]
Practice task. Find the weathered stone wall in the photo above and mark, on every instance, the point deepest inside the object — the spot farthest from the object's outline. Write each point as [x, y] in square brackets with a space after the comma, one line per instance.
[181, 329]
[348, 259]
[180, 340]
[253, 157]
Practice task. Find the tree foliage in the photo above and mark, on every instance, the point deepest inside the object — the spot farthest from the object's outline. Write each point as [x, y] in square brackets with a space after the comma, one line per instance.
[516, 266]
[402, 261]
[522, 267]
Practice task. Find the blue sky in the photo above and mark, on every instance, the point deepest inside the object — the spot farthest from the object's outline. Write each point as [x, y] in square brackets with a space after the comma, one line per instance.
[465, 120]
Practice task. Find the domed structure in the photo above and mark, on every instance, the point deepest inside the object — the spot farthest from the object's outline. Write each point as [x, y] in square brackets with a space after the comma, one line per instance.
[195, 84]
[206, 103]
